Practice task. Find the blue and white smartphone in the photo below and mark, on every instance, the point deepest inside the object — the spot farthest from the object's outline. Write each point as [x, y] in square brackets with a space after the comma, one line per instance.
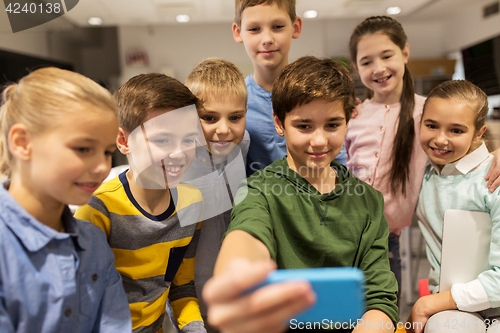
[340, 292]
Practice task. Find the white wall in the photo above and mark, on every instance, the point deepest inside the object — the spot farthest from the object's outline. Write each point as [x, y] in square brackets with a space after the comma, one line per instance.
[181, 47]
[469, 27]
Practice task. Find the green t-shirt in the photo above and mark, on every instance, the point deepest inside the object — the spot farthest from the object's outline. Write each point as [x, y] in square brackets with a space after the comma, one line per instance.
[303, 228]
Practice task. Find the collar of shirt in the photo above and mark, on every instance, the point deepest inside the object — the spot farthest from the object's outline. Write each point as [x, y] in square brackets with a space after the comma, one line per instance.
[32, 233]
[466, 164]
[258, 89]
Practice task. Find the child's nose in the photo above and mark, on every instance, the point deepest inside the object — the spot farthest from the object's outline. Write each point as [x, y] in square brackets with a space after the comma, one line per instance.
[378, 66]
[441, 138]
[102, 164]
[267, 37]
[177, 153]
[222, 128]
[319, 139]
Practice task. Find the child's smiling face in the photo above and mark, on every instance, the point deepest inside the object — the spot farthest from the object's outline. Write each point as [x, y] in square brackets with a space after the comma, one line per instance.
[448, 131]
[381, 66]
[267, 32]
[223, 122]
[70, 161]
[314, 134]
[162, 148]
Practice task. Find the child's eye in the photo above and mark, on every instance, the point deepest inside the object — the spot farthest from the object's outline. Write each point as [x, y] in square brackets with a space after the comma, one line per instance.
[109, 153]
[303, 127]
[365, 63]
[209, 118]
[82, 149]
[431, 126]
[253, 29]
[333, 125]
[235, 118]
[457, 131]
[159, 141]
[277, 27]
[386, 57]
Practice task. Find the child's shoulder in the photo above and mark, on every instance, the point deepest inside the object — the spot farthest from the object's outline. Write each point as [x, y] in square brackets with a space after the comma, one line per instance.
[355, 186]
[188, 195]
[110, 186]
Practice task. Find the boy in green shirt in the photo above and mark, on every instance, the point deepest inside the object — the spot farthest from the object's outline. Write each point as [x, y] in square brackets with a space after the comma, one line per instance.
[305, 210]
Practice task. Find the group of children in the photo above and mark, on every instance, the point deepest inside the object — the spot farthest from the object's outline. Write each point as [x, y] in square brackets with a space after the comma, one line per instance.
[325, 188]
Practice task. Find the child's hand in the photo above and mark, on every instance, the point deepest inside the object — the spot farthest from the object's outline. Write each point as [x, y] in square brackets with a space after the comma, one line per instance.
[267, 309]
[355, 111]
[426, 306]
[418, 317]
[493, 175]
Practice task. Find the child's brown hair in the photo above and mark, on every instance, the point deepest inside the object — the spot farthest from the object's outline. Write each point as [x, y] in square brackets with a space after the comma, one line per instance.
[308, 79]
[147, 92]
[466, 92]
[240, 5]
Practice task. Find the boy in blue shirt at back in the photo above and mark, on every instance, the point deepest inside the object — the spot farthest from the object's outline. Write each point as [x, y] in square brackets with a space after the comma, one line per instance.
[266, 29]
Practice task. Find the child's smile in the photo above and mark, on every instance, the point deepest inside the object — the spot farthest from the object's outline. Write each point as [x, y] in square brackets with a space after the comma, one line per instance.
[314, 134]
[267, 32]
[381, 66]
[223, 122]
[447, 131]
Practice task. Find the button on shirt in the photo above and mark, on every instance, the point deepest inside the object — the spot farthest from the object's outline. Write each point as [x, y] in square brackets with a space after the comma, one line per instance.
[369, 142]
[57, 282]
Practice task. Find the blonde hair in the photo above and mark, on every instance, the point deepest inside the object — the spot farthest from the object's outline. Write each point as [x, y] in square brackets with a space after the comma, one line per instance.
[241, 5]
[216, 78]
[42, 97]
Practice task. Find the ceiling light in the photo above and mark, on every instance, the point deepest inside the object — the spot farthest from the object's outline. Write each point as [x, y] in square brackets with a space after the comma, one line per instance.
[182, 18]
[393, 10]
[310, 14]
[95, 21]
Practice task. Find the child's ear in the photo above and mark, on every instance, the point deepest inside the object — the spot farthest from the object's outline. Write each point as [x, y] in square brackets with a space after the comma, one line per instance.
[19, 141]
[406, 53]
[122, 141]
[297, 27]
[353, 64]
[278, 125]
[480, 133]
[237, 33]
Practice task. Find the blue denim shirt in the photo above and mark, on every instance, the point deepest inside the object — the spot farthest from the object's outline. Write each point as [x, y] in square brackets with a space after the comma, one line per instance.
[57, 282]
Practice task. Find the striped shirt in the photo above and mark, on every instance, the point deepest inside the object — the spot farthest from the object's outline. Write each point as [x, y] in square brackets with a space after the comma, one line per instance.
[154, 254]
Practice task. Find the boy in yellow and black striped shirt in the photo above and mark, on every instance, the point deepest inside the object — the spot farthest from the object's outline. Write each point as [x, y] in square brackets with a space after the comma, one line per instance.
[152, 221]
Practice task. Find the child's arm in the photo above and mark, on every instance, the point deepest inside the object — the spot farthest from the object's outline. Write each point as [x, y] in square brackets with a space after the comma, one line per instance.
[381, 285]
[240, 244]
[427, 306]
[114, 311]
[95, 212]
[264, 310]
[5, 321]
[182, 294]
[493, 175]
[374, 321]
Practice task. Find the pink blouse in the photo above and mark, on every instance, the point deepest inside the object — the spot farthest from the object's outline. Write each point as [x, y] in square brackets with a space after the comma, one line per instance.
[369, 141]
